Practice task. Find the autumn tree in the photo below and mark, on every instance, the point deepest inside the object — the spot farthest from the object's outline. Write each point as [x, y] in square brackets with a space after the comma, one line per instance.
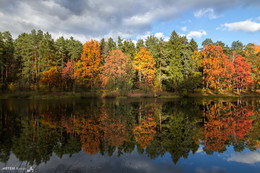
[116, 70]
[67, 75]
[211, 73]
[217, 69]
[144, 64]
[242, 75]
[51, 77]
[88, 67]
[252, 55]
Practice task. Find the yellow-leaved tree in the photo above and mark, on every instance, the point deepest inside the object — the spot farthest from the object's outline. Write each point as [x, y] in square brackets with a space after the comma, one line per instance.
[51, 77]
[144, 64]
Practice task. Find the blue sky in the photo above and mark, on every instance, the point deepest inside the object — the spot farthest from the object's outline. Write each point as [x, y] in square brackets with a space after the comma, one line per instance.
[220, 20]
[218, 27]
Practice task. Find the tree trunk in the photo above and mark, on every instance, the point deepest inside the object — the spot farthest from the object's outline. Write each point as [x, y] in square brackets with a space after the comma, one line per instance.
[74, 87]
[140, 77]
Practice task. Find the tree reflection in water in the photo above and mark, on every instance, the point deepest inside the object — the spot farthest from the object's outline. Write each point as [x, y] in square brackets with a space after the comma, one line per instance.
[34, 130]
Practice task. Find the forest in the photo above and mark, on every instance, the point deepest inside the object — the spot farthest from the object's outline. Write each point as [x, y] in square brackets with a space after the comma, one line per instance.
[36, 62]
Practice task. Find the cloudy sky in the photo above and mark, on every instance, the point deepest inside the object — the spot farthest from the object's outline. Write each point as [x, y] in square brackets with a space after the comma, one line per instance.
[224, 20]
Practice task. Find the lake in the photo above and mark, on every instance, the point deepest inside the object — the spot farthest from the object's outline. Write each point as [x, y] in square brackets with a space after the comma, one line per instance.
[130, 135]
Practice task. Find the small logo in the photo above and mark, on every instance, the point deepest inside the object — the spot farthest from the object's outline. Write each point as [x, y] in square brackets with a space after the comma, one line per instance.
[17, 169]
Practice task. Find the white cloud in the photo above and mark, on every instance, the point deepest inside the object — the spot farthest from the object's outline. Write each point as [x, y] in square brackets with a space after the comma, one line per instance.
[249, 158]
[98, 18]
[247, 26]
[138, 20]
[159, 35]
[197, 34]
[208, 12]
[184, 29]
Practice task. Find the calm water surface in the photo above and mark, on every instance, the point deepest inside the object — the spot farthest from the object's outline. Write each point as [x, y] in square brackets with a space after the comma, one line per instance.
[146, 135]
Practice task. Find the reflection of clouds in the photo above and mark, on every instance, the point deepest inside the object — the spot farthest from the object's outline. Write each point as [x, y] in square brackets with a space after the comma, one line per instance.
[82, 162]
[142, 164]
[214, 169]
[250, 158]
[139, 165]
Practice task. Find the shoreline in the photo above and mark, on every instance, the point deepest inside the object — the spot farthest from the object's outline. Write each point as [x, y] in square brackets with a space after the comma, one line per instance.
[109, 95]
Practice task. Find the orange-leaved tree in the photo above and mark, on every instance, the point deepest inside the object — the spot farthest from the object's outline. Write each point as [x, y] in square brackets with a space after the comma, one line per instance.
[88, 67]
[144, 64]
[252, 54]
[217, 69]
[116, 69]
[51, 77]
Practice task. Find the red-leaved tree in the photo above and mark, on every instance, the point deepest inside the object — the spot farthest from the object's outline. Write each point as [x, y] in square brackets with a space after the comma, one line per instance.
[242, 75]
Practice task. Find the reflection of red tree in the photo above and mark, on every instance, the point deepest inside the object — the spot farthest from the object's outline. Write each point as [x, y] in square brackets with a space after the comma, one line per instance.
[215, 130]
[50, 119]
[145, 131]
[67, 123]
[90, 133]
[115, 134]
[115, 129]
[242, 121]
[225, 124]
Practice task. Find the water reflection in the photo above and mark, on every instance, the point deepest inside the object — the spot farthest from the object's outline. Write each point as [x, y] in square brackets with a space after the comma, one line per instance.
[36, 132]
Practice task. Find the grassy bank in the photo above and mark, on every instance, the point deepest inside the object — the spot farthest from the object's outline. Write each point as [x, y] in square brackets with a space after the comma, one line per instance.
[115, 94]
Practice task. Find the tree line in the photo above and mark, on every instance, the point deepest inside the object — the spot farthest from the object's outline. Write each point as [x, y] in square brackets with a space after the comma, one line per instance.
[35, 61]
